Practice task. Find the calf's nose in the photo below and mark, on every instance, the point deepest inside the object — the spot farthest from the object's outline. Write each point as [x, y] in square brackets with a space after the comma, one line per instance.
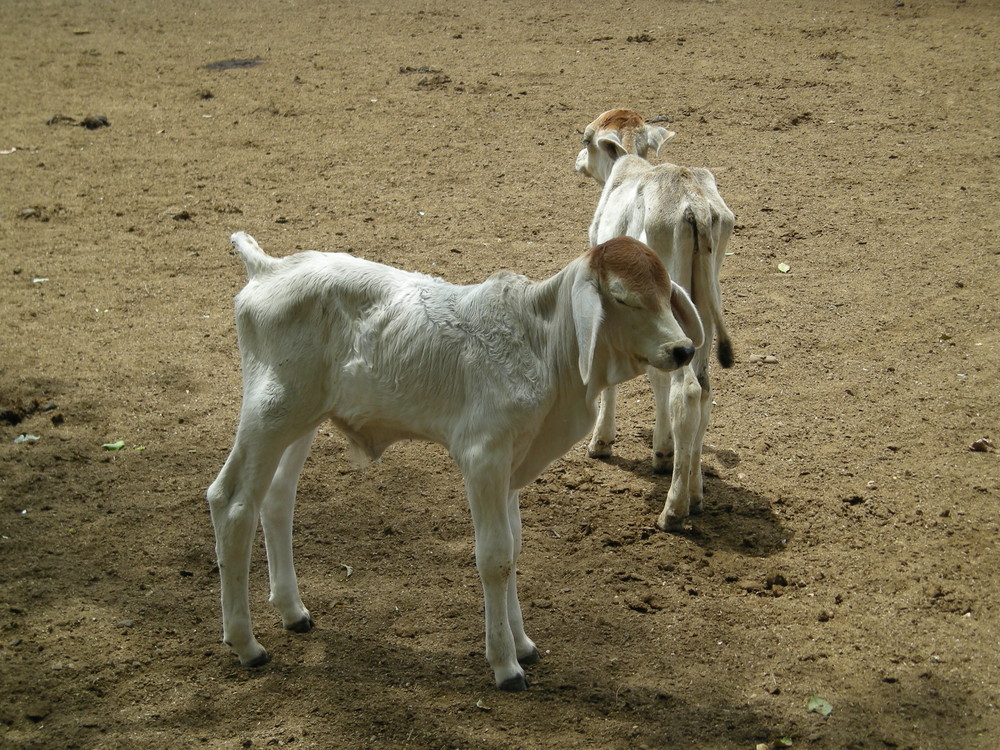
[683, 354]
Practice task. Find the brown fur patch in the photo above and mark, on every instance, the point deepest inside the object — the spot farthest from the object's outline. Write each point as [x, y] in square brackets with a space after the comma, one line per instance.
[627, 123]
[618, 119]
[636, 265]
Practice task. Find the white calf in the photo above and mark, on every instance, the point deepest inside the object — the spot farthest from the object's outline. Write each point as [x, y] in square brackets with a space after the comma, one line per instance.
[678, 211]
[505, 374]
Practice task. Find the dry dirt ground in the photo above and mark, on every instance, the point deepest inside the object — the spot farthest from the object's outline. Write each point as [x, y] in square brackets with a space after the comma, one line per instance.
[849, 546]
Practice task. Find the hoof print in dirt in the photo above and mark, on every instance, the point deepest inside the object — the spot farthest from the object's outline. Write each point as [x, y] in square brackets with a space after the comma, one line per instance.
[430, 78]
[61, 120]
[234, 64]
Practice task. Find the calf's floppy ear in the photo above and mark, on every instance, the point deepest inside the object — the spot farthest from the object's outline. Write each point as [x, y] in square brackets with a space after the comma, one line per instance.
[612, 146]
[686, 314]
[657, 136]
[587, 316]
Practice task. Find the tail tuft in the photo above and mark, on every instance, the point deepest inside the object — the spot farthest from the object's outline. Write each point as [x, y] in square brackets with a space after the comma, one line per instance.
[725, 352]
[705, 288]
[255, 259]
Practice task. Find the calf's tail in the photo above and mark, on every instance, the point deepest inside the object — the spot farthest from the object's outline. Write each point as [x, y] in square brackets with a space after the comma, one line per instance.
[255, 259]
[705, 289]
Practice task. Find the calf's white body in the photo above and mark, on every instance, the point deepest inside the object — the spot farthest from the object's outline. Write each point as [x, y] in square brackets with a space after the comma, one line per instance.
[505, 374]
[680, 214]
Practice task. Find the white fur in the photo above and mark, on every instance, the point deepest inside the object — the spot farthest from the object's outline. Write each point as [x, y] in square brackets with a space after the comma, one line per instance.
[680, 214]
[505, 374]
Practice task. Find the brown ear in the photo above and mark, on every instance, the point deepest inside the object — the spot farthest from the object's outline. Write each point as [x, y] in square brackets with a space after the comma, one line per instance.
[686, 314]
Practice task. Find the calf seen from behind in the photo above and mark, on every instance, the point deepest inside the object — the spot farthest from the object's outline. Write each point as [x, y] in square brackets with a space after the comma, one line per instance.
[680, 214]
[505, 374]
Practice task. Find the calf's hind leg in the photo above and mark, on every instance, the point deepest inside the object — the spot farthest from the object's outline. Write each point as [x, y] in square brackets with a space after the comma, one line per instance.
[527, 652]
[663, 439]
[276, 518]
[235, 499]
[704, 413]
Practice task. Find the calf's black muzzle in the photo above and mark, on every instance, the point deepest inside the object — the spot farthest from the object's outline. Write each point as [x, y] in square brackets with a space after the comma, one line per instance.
[683, 354]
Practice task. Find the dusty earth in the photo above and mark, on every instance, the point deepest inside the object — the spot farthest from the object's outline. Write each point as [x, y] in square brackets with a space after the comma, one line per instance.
[849, 546]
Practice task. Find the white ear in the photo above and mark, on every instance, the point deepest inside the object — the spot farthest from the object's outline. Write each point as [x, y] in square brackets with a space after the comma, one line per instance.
[686, 314]
[588, 312]
[612, 146]
[657, 136]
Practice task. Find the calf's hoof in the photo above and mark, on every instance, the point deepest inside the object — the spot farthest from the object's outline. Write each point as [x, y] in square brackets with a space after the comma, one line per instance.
[302, 626]
[516, 684]
[663, 462]
[670, 523]
[532, 658]
[600, 449]
[257, 661]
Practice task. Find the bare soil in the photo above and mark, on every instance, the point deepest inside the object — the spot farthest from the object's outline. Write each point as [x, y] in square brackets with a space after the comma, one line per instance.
[849, 544]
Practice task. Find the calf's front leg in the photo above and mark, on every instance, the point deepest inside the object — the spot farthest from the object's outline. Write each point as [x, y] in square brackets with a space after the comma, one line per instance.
[685, 421]
[603, 439]
[487, 478]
